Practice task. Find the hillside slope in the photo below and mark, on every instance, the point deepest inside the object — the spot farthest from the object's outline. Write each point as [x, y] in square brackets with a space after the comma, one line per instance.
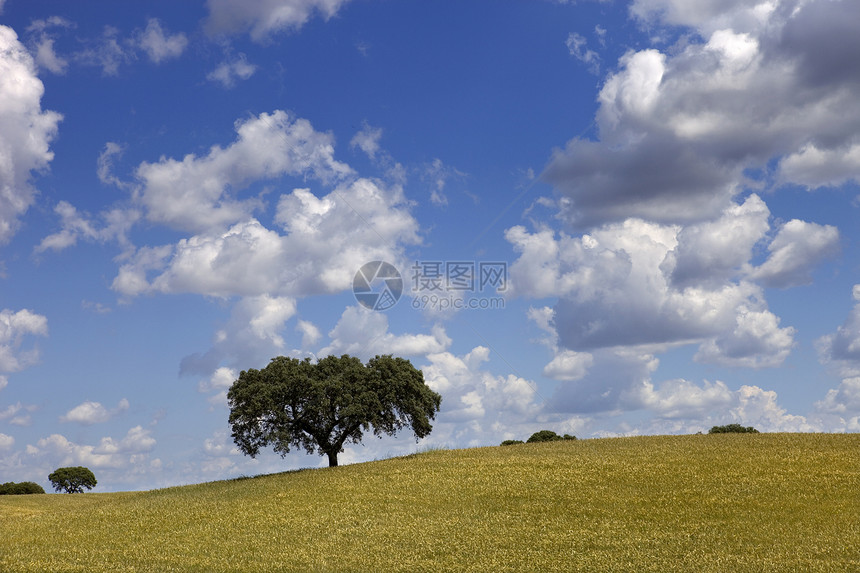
[765, 502]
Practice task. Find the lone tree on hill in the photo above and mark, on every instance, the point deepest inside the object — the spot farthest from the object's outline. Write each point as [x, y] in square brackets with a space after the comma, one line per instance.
[73, 480]
[320, 407]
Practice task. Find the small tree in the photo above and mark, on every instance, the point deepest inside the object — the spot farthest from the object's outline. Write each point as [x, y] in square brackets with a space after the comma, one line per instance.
[511, 442]
[320, 407]
[73, 480]
[733, 429]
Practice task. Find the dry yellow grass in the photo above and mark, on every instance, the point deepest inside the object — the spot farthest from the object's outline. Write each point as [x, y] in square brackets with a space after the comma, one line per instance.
[766, 502]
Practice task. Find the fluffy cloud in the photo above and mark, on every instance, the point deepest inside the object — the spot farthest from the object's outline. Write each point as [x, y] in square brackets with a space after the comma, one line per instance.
[313, 246]
[17, 414]
[617, 286]
[614, 382]
[41, 42]
[57, 450]
[679, 128]
[796, 249]
[364, 333]
[814, 167]
[756, 341]
[714, 405]
[262, 18]
[620, 380]
[158, 45]
[568, 365]
[842, 400]
[252, 335]
[713, 252]
[14, 327]
[113, 224]
[477, 406]
[231, 70]
[310, 333]
[88, 413]
[137, 440]
[683, 399]
[367, 140]
[843, 346]
[219, 382]
[198, 193]
[759, 408]
[757, 96]
[6, 442]
[324, 242]
[706, 15]
[25, 131]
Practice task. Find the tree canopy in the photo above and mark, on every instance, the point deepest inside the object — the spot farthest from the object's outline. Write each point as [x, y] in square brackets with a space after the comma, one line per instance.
[73, 479]
[321, 406]
[733, 429]
[23, 488]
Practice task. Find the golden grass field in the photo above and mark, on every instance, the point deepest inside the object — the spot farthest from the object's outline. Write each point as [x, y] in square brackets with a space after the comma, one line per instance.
[731, 502]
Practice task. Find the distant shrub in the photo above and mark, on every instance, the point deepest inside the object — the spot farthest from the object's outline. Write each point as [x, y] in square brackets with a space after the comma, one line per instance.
[547, 436]
[733, 429]
[511, 442]
[23, 488]
[543, 436]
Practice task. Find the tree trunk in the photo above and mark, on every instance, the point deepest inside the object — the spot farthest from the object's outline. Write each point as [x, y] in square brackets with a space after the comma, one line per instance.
[332, 459]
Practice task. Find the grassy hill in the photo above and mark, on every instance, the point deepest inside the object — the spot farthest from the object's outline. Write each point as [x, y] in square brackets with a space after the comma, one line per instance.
[766, 502]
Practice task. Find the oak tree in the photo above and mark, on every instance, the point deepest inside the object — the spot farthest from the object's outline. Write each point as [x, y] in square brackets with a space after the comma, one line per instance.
[73, 480]
[319, 407]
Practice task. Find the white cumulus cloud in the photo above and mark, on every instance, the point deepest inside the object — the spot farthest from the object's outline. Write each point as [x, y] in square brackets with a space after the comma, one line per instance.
[158, 44]
[198, 193]
[229, 71]
[680, 127]
[125, 453]
[26, 131]
[478, 406]
[88, 412]
[364, 333]
[15, 326]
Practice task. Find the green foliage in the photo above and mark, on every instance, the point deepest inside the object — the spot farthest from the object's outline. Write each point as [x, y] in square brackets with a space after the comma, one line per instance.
[733, 429]
[543, 436]
[73, 479]
[22, 488]
[320, 407]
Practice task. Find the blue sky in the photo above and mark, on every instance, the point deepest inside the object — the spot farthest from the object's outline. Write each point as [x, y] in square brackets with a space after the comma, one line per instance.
[187, 189]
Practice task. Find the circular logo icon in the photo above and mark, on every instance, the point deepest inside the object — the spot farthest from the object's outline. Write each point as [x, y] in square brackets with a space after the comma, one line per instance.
[377, 285]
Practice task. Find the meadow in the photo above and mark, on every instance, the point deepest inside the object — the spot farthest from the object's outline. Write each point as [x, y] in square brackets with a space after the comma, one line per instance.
[752, 502]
